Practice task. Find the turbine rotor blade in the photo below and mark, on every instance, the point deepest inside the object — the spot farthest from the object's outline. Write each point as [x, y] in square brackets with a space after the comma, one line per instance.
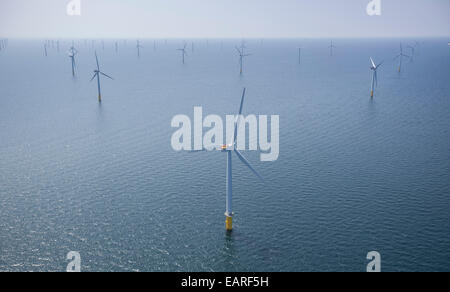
[373, 63]
[95, 75]
[106, 76]
[245, 161]
[239, 116]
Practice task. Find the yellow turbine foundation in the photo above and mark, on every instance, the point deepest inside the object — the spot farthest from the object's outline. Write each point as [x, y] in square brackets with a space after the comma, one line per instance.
[371, 93]
[229, 223]
[99, 98]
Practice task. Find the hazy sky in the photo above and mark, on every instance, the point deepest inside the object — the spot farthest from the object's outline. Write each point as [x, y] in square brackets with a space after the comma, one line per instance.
[223, 18]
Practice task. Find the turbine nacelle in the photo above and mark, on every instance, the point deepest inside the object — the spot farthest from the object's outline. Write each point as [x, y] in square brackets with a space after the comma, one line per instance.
[225, 148]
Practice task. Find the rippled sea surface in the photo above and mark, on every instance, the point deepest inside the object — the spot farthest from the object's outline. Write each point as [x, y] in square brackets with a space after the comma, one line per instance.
[354, 174]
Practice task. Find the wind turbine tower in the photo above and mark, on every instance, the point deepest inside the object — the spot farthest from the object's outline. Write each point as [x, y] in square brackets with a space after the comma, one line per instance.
[401, 56]
[72, 53]
[183, 52]
[374, 69]
[242, 55]
[97, 74]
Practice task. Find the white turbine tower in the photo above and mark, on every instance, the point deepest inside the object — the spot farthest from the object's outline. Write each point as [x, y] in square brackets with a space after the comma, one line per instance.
[374, 69]
[229, 150]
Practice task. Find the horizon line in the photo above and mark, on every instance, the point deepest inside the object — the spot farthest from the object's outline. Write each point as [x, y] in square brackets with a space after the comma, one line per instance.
[223, 38]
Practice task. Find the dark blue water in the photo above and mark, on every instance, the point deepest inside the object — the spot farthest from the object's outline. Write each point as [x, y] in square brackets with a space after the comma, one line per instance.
[354, 174]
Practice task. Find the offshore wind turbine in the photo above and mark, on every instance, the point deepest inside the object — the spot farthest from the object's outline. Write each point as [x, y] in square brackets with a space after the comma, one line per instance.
[401, 55]
[229, 150]
[97, 74]
[45, 49]
[3, 44]
[72, 53]
[183, 52]
[413, 52]
[299, 56]
[242, 55]
[138, 47]
[374, 69]
[331, 48]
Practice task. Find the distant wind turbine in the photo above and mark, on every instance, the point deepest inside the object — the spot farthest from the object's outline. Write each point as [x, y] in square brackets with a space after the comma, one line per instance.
[299, 56]
[229, 150]
[3, 43]
[401, 55]
[183, 52]
[45, 49]
[374, 69]
[138, 47]
[72, 53]
[97, 74]
[331, 48]
[242, 55]
[413, 52]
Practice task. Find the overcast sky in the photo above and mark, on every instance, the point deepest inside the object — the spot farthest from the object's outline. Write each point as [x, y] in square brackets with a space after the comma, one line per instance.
[223, 19]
